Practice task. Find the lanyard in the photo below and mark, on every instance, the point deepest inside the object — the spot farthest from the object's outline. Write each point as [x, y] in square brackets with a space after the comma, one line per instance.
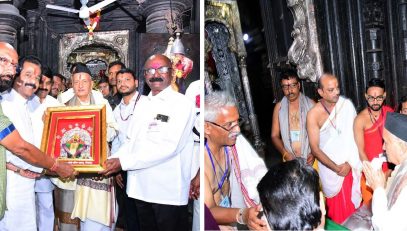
[225, 173]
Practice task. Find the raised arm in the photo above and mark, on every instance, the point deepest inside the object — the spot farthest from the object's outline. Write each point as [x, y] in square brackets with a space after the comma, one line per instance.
[313, 136]
[29, 153]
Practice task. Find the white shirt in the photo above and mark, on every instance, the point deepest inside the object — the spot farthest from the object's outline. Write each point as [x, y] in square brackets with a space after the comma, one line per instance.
[157, 154]
[16, 108]
[37, 110]
[123, 115]
[192, 92]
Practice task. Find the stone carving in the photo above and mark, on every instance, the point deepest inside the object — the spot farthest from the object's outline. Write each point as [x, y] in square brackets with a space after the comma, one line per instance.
[222, 25]
[304, 51]
[118, 41]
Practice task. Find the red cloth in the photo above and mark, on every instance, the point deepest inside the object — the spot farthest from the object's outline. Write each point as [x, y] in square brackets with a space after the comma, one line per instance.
[373, 138]
[340, 206]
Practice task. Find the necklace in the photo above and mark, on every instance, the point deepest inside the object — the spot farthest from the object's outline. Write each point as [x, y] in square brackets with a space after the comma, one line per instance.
[289, 126]
[329, 113]
[374, 120]
[120, 108]
[373, 117]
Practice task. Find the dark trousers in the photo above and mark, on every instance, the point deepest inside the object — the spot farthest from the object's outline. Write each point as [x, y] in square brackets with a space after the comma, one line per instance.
[162, 217]
[127, 207]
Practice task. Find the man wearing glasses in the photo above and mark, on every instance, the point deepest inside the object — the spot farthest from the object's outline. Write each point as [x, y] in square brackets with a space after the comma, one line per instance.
[368, 129]
[158, 151]
[232, 167]
[288, 130]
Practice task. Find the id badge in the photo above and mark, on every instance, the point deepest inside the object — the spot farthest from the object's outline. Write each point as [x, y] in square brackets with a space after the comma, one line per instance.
[295, 135]
[225, 202]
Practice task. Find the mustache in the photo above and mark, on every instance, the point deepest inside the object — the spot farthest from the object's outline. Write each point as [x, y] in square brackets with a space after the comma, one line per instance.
[30, 85]
[42, 89]
[378, 107]
[155, 79]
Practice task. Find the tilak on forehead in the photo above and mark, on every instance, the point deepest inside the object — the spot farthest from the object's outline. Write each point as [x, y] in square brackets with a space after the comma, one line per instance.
[156, 62]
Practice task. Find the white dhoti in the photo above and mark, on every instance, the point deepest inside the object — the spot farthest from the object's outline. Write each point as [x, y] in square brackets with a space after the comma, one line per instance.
[44, 204]
[20, 199]
[45, 211]
[337, 142]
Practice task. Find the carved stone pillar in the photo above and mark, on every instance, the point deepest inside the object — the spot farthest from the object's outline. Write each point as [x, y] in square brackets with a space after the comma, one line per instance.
[374, 21]
[31, 30]
[10, 22]
[159, 17]
[258, 144]
[222, 26]
[304, 52]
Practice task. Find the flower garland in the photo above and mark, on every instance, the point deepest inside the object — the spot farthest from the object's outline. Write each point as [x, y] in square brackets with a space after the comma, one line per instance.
[93, 23]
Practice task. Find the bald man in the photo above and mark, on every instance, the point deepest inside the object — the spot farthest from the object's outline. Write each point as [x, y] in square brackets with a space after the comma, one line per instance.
[12, 141]
[158, 154]
[330, 131]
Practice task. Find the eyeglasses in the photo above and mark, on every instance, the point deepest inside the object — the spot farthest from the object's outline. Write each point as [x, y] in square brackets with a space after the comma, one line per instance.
[288, 86]
[239, 123]
[379, 98]
[5, 61]
[160, 70]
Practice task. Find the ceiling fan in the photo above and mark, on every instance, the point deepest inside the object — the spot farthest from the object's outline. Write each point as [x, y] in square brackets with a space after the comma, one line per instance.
[84, 11]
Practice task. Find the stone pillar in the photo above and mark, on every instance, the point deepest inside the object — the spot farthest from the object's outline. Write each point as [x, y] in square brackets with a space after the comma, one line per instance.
[10, 22]
[156, 11]
[374, 26]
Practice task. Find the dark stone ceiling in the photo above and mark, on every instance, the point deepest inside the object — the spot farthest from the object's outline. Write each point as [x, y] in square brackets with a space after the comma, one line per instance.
[122, 14]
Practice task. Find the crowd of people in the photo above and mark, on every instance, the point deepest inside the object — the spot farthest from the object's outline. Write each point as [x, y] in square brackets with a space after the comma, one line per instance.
[335, 161]
[352, 157]
[153, 162]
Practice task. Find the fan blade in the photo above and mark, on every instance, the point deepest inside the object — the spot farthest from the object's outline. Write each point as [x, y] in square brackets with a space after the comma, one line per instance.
[49, 6]
[100, 5]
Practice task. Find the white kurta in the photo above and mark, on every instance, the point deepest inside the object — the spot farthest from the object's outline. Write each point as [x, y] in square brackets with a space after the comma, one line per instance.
[20, 196]
[393, 218]
[192, 92]
[157, 154]
[123, 115]
[337, 142]
[43, 185]
[94, 200]
[37, 110]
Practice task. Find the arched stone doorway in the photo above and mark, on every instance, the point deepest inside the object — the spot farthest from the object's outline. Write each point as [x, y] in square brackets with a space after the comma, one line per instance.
[105, 48]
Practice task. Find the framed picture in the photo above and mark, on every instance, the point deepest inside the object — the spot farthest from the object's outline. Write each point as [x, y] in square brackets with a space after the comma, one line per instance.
[76, 135]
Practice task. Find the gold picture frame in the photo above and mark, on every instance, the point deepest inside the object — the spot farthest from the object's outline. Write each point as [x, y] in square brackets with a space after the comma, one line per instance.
[76, 135]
